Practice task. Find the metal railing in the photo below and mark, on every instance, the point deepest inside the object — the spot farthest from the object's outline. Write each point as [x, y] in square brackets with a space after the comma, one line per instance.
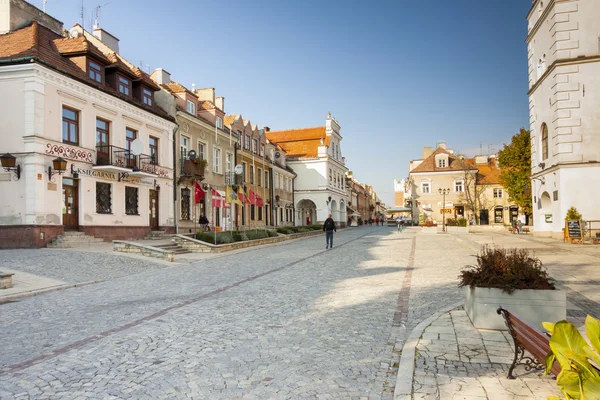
[232, 179]
[120, 157]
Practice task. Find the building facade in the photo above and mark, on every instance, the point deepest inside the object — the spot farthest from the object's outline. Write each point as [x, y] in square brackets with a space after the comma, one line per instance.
[74, 99]
[564, 65]
[282, 187]
[315, 156]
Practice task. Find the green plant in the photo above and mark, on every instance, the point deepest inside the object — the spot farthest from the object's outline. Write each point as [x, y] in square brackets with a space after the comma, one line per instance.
[224, 238]
[450, 222]
[572, 214]
[272, 233]
[284, 231]
[205, 237]
[200, 162]
[577, 378]
[257, 234]
[506, 269]
[461, 222]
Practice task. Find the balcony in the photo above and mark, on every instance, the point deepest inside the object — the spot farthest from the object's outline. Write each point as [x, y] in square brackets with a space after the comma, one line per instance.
[232, 179]
[122, 161]
[193, 169]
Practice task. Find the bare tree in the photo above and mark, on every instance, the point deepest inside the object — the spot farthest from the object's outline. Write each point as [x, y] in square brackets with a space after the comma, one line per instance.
[473, 195]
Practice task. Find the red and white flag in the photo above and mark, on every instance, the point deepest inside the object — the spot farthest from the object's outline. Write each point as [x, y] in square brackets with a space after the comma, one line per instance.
[198, 192]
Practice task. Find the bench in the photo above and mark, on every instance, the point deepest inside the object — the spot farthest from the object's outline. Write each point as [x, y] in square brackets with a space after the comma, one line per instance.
[5, 280]
[523, 230]
[526, 337]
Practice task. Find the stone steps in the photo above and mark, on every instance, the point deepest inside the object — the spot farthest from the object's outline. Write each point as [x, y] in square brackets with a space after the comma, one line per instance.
[73, 239]
[158, 235]
[173, 248]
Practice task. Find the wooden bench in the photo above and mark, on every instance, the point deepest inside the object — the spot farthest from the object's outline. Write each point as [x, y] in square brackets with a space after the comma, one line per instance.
[526, 337]
[523, 230]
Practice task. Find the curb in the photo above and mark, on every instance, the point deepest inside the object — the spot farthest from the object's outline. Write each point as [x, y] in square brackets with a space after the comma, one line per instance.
[406, 369]
[12, 297]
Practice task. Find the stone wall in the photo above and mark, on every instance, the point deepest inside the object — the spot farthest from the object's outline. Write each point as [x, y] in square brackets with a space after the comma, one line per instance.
[148, 251]
[28, 236]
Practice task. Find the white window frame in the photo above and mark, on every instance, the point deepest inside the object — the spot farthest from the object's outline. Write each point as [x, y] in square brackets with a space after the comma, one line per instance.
[276, 180]
[266, 179]
[498, 193]
[187, 144]
[460, 182]
[259, 177]
[442, 163]
[217, 160]
[219, 122]
[202, 153]
[190, 107]
[228, 162]
[428, 184]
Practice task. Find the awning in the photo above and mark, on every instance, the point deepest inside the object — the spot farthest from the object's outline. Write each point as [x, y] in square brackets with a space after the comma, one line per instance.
[218, 199]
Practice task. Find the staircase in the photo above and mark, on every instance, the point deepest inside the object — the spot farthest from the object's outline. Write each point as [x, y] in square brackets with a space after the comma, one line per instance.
[73, 239]
[158, 235]
[173, 248]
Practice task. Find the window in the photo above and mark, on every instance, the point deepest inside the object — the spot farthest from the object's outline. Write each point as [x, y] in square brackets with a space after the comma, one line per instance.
[544, 141]
[124, 86]
[183, 146]
[147, 97]
[219, 122]
[103, 198]
[252, 213]
[70, 126]
[262, 149]
[276, 181]
[459, 186]
[330, 176]
[185, 204]
[95, 71]
[252, 174]
[498, 193]
[281, 181]
[442, 163]
[254, 146]
[281, 214]
[191, 107]
[245, 172]
[267, 179]
[131, 200]
[259, 176]
[259, 213]
[102, 135]
[498, 215]
[217, 161]
[425, 187]
[153, 144]
[202, 151]
[247, 142]
[130, 136]
[229, 162]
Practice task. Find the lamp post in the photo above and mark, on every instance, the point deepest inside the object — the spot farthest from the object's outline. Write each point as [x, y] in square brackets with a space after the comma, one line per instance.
[444, 192]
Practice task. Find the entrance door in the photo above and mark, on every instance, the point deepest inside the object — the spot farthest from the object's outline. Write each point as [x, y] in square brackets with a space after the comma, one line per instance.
[70, 204]
[154, 210]
[484, 217]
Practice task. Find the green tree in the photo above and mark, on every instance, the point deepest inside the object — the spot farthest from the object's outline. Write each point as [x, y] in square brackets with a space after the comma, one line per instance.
[515, 169]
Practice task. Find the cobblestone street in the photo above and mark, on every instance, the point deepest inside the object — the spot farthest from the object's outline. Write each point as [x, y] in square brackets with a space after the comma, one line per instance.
[282, 321]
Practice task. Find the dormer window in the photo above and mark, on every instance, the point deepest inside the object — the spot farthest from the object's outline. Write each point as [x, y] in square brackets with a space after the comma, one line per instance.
[124, 86]
[219, 122]
[147, 96]
[441, 160]
[442, 163]
[95, 71]
[191, 107]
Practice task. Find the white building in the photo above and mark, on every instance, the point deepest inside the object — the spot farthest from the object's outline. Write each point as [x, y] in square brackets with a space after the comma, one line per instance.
[315, 155]
[75, 99]
[564, 102]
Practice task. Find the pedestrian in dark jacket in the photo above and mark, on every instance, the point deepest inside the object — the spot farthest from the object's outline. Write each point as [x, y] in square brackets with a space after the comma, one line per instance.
[329, 227]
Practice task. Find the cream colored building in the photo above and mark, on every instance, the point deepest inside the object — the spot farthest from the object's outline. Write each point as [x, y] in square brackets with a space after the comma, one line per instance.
[76, 98]
[563, 45]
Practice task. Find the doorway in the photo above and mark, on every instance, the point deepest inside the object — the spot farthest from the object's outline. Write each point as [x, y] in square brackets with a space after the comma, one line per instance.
[70, 204]
[153, 210]
[484, 217]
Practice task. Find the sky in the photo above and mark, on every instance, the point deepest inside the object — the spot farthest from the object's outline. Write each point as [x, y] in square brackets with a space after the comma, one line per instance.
[397, 75]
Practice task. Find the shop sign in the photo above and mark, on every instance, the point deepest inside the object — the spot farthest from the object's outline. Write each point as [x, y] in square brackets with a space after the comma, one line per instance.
[111, 176]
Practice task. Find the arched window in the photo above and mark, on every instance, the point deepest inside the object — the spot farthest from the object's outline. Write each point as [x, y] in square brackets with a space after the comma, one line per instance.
[544, 141]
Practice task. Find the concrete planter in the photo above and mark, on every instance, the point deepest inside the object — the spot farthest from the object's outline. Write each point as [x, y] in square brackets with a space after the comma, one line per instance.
[533, 306]
[454, 229]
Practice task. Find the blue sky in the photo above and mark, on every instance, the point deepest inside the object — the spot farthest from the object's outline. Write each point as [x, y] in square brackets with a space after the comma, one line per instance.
[397, 75]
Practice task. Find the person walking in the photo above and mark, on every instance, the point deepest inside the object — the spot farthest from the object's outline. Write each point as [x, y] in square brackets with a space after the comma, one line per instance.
[377, 221]
[329, 227]
[203, 221]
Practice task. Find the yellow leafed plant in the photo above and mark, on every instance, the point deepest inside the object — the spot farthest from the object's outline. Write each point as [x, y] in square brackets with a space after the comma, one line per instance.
[578, 379]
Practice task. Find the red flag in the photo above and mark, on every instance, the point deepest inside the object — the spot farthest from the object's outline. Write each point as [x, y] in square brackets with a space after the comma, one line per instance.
[198, 192]
[259, 201]
[216, 198]
[252, 196]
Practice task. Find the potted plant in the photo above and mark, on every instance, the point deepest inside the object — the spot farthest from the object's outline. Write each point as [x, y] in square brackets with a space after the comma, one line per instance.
[194, 167]
[514, 279]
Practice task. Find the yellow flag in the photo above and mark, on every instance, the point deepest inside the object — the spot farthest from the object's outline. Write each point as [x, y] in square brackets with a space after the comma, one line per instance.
[231, 197]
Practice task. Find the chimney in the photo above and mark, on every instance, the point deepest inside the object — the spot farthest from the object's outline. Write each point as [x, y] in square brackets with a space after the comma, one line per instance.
[16, 14]
[427, 151]
[207, 94]
[267, 129]
[109, 40]
[442, 145]
[220, 103]
[161, 76]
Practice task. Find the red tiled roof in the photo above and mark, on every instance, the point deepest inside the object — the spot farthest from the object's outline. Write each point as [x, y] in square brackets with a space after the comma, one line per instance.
[300, 143]
[454, 163]
[38, 42]
[489, 173]
[230, 119]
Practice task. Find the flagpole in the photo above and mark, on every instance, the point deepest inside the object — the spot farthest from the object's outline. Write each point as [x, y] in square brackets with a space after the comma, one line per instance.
[195, 206]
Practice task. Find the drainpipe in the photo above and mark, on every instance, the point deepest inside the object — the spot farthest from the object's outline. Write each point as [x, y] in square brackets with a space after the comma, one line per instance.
[294, 200]
[175, 211]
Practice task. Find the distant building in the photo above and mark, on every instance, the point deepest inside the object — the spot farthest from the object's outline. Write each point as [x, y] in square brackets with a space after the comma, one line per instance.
[564, 104]
[399, 188]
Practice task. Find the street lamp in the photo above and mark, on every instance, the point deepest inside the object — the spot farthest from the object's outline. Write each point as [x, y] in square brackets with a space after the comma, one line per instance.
[444, 192]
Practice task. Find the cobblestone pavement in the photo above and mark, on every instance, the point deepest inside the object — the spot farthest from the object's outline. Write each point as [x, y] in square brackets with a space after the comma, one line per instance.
[75, 266]
[456, 361]
[291, 320]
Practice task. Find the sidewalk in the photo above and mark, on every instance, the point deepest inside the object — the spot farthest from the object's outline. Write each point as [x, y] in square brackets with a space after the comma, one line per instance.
[453, 360]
